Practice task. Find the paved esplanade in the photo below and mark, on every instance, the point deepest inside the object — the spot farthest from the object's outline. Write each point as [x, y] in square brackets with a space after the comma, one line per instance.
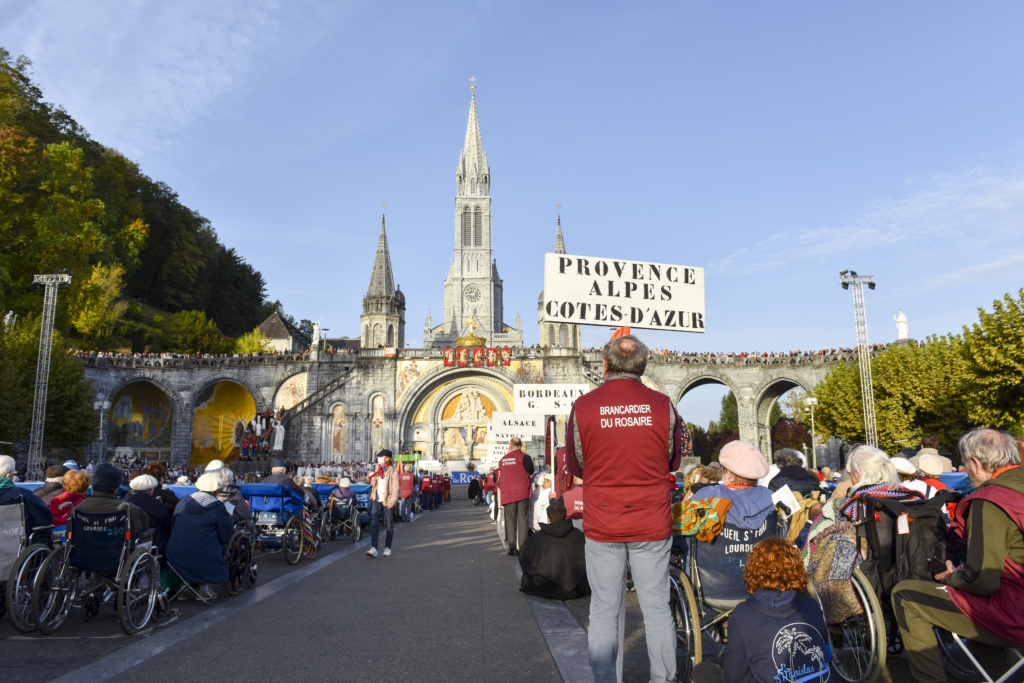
[444, 607]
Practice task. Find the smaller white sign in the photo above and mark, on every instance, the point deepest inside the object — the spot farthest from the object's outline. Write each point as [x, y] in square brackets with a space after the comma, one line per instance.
[547, 399]
[497, 451]
[505, 426]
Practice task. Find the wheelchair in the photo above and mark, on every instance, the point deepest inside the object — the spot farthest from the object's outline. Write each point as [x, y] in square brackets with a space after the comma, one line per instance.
[99, 560]
[277, 512]
[20, 559]
[362, 492]
[340, 518]
[706, 585]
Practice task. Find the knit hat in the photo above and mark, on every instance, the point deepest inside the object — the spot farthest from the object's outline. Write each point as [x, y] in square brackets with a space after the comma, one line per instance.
[744, 460]
[106, 478]
[214, 465]
[143, 482]
[903, 466]
[208, 483]
[56, 472]
[930, 464]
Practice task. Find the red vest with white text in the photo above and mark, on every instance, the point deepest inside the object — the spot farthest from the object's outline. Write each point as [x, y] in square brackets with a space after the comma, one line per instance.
[513, 481]
[425, 484]
[623, 430]
[405, 485]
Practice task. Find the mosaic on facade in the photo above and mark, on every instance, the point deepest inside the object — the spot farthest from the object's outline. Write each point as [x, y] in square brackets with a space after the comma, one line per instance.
[291, 392]
[138, 413]
[377, 424]
[465, 418]
[338, 425]
[532, 372]
[218, 423]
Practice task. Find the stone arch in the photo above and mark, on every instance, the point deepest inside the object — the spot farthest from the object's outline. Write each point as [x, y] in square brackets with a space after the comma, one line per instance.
[337, 446]
[208, 441]
[280, 385]
[478, 227]
[563, 335]
[704, 380]
[178, 422]
[766, 398]
[391, 335]
[378, 335]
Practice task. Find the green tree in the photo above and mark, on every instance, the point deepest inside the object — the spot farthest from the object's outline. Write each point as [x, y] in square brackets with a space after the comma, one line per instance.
[191, 332]
[95, 306]
[253, 341]
[994, 349]
[700, 442]
[729, 415]
[70, 420]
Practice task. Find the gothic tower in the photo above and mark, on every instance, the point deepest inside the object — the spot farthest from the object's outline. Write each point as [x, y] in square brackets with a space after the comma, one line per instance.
[473, 288]
[383, 318]
[560, 335]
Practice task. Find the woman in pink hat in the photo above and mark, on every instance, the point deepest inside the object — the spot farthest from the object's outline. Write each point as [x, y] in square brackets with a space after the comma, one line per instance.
[742, 466]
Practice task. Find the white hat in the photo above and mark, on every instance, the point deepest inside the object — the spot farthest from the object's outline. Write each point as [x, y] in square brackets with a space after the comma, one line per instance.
[183, 481]
[903, 466]
[143, 482]
[930, 464]
[209, 482]
[71, 465]
[345, 483]
[214, 465]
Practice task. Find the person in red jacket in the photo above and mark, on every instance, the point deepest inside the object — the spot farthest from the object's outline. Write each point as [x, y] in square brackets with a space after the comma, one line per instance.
[447, 488]
[437, 489]
[623, 439]
[514, 472]
[406, 486]
[426, 497]
[490, 488]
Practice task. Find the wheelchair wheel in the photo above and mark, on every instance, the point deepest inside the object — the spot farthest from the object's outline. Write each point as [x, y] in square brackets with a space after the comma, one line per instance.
[18, 595]
[859, 643]
[357, 527]
[136, 596]
[687, 622]
[239, 555]
[292, 540]
[53, 591]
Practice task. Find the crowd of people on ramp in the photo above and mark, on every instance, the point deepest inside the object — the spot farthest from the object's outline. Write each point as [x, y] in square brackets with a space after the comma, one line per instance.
[750, 570]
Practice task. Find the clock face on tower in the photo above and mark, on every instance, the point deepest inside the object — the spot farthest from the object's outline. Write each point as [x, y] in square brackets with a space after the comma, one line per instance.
[472, 294]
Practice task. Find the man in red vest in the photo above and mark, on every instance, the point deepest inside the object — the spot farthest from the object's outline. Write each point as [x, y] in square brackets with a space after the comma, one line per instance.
[622, 440]
[514, 472]
[983, 599]
[406, 486]
[437, 489]
[573, 499]
[426, 497]
[447, 488]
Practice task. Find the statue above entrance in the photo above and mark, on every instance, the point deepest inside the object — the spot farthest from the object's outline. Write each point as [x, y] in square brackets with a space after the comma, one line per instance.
[470, 409]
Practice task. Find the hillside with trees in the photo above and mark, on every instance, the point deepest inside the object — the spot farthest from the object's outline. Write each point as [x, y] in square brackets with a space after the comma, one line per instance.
[68, 201]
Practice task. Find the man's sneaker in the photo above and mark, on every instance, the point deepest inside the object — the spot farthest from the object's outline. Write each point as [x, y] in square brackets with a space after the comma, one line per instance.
[372, 552]
[387, 552]
[412, 516]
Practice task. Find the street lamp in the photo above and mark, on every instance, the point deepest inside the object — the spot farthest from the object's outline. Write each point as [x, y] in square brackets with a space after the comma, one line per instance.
[810, 402]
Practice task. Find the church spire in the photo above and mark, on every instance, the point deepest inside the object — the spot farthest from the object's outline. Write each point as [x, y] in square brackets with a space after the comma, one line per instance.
[559, 242]
[473, 174]
[382, 281]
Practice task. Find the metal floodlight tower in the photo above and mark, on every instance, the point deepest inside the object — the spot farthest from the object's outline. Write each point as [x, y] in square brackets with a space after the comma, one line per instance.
[51, 283]
[847, 278]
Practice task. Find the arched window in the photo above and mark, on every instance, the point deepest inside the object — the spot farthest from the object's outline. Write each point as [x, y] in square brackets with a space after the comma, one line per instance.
[378, 335]
[478, 227]
[391, 335]
[563, 335]
[467, 228]
[551, 335]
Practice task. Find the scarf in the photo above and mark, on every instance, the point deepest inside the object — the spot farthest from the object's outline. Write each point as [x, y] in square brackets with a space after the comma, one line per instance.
[851, 510]
[204, 499]
[6, 483]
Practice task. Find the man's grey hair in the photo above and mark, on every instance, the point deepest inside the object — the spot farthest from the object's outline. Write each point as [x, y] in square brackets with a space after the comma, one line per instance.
[7, 465]
[626, 354]
[994, 449]
[309, 480]
[278, 470]
[784, 457]
[873, 465]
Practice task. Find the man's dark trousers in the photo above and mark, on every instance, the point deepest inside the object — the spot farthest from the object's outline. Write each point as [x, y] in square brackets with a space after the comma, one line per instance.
[515, 523]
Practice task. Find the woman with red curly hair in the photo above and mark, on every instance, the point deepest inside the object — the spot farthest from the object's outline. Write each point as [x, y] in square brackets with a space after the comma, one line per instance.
[778, 634]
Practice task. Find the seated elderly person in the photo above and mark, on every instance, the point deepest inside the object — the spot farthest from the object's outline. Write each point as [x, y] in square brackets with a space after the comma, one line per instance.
[106, 480]
[742, 466]
[792, 474]
[312, 495]
[53, 486]
[142, 496]
[162, 492]
[231, 496]
[554, 560]
[36, 511]
[277, 476]
[201, 528]
[984, 597]
[75, 483]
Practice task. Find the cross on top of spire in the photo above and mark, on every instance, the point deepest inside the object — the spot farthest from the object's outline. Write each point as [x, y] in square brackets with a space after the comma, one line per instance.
[472, 84]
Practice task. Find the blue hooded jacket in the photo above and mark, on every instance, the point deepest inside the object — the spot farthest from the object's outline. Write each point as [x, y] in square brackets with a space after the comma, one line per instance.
[201, 528]
[750, 506]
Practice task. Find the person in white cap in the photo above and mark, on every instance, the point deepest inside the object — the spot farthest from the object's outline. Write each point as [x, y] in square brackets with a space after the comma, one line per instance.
[141, 497]
[201, 528]
[909, 479]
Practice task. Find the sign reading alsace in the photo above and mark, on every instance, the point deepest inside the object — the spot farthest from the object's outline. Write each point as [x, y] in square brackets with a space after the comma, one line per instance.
[548, 399]
[584, 290]
[505, 426]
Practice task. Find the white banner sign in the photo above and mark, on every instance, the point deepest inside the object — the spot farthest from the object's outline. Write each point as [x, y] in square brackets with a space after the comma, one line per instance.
[505, 426]
[548, 399]
[584, 290]
[497, 451]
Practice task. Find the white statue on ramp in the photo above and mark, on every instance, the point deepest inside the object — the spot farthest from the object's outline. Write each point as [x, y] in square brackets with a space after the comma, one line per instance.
[901, 325]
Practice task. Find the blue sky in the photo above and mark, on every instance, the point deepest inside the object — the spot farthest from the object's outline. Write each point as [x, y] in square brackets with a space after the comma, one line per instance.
[774, 144]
